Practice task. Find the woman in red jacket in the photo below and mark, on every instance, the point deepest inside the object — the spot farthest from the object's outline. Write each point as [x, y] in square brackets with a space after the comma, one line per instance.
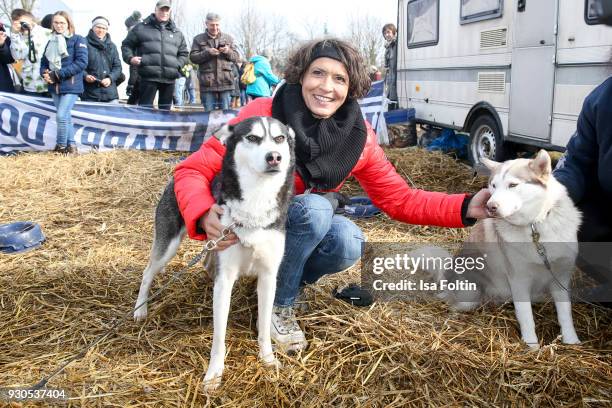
[324, 80]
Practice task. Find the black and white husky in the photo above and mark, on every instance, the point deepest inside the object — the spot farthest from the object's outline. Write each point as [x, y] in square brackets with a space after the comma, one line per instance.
[256, 184]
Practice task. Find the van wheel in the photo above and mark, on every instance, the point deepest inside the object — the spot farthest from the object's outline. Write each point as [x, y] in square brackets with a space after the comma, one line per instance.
[485, 141]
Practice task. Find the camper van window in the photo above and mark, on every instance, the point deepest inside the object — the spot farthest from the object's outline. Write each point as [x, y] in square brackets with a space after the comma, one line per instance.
[597, 12]
[477, 10]
[423, 23]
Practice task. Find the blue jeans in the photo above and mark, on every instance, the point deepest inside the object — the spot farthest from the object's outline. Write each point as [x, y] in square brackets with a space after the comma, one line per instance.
[317, 243]
[63, 105]
[192, 95]
[216, 100]
[179, 87]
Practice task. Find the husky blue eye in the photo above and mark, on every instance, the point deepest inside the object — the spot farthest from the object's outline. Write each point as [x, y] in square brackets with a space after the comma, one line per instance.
[279, 139]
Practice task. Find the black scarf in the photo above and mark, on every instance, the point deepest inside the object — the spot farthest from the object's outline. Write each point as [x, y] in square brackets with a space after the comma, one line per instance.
[326, 149]
[103, 45]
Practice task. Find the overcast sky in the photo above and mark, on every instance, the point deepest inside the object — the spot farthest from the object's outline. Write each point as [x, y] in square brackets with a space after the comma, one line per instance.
[335, 13]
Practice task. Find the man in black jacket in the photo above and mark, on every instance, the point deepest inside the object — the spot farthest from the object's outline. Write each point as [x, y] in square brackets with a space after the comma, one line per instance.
[159, 50]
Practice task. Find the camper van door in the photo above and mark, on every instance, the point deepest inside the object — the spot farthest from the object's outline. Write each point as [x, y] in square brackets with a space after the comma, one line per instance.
[533, 68]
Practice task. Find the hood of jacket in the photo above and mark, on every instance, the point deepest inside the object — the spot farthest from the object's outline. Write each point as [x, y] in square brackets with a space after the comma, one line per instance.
[256, 58]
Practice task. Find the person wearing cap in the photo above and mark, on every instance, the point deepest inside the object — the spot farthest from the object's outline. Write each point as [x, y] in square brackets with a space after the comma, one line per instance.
[159, 50]
[215, 53]
[324, 80]
[104, 66]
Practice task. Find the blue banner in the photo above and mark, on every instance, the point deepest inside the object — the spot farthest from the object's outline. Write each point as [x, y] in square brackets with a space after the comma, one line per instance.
[373, 107]
[28, 124]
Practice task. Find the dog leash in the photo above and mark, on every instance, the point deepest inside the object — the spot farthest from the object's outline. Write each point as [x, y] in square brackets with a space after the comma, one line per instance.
[208, 248]
[541, 250]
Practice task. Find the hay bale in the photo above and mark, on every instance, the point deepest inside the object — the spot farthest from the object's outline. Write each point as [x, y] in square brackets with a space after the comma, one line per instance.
[96, 211]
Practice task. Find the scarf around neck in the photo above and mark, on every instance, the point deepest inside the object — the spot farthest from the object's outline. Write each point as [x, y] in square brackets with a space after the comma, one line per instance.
[326, 149]
[56, 50]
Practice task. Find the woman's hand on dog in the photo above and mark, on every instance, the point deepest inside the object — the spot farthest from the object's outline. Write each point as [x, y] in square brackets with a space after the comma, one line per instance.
[478, 205]
[211, 223]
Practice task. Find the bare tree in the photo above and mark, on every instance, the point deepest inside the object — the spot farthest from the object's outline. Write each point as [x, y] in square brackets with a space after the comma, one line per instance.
[190, 27]
[313, 27]
[249, 30]
[259, 34]
[6, 6]
[365, 34]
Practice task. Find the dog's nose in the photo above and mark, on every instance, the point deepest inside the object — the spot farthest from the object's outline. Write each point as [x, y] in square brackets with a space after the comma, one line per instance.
[273, 158]
[492, 207]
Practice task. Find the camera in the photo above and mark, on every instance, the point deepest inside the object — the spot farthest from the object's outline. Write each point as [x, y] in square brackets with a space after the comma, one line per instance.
[24, 26]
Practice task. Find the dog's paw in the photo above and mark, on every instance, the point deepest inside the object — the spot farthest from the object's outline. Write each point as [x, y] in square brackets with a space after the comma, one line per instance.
[212, 379]
[270, 361]
[571, 340]
[141, 313]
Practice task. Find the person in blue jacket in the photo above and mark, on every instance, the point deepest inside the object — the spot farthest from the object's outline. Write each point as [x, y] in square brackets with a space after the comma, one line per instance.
[586, 171]
[265, 79]
[62, 66]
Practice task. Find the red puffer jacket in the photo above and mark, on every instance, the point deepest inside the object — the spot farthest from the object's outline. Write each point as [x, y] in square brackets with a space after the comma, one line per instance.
[387, 189]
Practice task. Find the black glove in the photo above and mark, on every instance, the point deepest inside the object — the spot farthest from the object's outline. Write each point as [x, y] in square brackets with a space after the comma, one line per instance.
[55, 77]
[337, 200]
[354, 295]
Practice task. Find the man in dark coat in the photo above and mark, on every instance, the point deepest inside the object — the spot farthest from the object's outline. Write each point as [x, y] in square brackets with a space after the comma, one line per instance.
[6, 81]
[159, 50]
[215, 52]
[103, 67]
[390, 33]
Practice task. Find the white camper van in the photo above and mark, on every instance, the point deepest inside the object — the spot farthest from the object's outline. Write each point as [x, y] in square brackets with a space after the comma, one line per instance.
[505, 71]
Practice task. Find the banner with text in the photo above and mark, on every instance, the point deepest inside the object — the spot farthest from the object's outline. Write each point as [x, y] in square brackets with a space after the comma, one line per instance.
[28, 124]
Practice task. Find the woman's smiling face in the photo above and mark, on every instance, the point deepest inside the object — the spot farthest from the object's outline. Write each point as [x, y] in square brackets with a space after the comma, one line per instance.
[325, 86]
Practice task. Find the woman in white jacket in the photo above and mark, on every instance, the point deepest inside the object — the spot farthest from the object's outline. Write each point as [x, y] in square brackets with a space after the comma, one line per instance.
[28, 42]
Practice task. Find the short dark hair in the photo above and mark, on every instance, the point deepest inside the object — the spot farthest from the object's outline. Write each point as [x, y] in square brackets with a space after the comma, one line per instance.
[389, 26]
[47, 21]
[19, 12]
[300, 60]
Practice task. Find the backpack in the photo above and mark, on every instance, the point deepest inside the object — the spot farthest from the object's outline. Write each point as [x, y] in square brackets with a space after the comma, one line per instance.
[248, 75]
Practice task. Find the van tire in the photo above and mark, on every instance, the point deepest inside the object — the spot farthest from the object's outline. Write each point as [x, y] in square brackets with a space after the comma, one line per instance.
[486, 141]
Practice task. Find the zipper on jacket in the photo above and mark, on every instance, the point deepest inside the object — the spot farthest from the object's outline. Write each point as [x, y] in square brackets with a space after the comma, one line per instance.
[161, 68]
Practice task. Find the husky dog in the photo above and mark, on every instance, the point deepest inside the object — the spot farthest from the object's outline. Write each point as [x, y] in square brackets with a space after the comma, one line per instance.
[256, 184]
[527, 205]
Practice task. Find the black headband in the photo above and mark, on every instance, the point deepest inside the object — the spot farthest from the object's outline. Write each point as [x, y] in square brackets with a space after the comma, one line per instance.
[325, 49]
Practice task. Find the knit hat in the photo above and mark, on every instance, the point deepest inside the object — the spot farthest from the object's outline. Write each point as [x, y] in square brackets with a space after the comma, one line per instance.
[100, 21]
[133, 19]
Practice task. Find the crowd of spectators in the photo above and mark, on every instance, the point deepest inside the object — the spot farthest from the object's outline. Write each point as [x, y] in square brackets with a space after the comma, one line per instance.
[161, 66]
